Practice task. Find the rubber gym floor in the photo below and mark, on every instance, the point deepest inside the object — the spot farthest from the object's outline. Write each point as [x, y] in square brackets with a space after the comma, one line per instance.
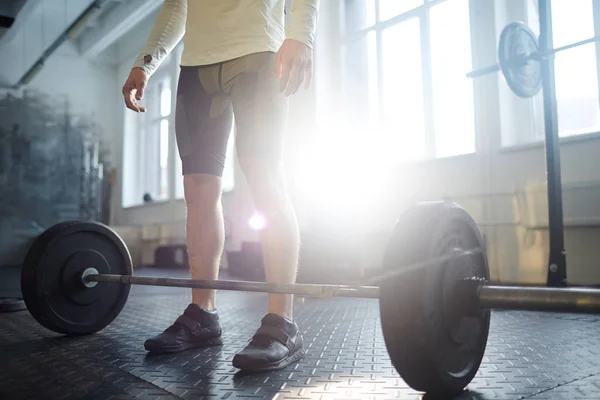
[529, 355]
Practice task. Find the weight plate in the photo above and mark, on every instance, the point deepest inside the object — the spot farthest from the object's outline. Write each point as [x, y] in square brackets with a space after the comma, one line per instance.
[51, 277]
[435, 340]
[523, 77]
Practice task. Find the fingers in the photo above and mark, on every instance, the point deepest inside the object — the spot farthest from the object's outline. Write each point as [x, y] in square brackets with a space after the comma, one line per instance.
[139, 87]
[130, 94]
[278, 65]
[128, 97]
[295, 79]
[284, 77]
[293, 73]
[139, 93]
[308, 75]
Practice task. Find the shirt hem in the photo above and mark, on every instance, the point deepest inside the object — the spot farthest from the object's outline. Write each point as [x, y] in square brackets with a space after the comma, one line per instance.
[190, 60]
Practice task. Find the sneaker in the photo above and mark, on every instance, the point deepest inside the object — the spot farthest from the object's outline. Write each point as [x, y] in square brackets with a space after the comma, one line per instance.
[195, 328]
[275, 345]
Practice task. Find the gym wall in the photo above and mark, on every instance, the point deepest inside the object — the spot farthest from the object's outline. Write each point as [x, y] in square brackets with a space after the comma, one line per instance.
[45, 127]
[503, 187]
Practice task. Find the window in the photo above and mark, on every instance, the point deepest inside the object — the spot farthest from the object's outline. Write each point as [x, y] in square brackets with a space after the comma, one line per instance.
[146, 147]
[453, 102]
[155, 136]
[403, 82]
[576, 70]
[402, 105]
[392, 8]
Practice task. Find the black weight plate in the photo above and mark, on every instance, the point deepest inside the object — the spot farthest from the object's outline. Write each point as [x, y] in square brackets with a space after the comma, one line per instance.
[434, 348]
[517, 41]
[51, 277]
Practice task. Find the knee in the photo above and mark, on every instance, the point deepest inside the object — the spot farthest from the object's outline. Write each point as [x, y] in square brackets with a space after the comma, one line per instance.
[202, 190]
[267, 184]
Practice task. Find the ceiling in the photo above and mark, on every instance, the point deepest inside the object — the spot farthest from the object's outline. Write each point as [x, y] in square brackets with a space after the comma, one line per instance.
[32, 30]
[8, 11]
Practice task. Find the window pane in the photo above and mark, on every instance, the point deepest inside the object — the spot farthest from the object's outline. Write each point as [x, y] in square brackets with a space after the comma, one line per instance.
[132, 150]
[402, 85]
[164, 157]
[572, 21]
[149, 167]
[360, 14]
[178, 177]
[392, 8]
[454, 122]
[164, 142]
[360, 81]
[575, 69]
[165, 99]
[533, 20]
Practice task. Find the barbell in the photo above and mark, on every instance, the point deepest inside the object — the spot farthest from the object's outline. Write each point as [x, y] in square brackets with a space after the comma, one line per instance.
[519, 57]
[434, 291]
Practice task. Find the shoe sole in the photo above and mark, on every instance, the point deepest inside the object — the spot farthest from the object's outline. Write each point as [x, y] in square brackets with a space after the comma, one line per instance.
[182, 347]
[290, 359]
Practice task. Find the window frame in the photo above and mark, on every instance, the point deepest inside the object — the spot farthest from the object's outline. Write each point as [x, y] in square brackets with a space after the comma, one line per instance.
[152, 120]
[422, 13]
[136, 128]
[533, 107]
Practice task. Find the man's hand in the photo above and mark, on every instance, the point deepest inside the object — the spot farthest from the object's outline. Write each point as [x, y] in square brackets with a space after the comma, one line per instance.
[293, 66]
[133, 89]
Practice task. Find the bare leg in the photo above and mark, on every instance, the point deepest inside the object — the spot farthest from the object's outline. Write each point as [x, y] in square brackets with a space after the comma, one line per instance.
[280, 239]
[205, 232]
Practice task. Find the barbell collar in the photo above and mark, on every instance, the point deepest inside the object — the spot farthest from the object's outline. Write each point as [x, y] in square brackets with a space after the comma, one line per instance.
[302, 289]
[569, 300]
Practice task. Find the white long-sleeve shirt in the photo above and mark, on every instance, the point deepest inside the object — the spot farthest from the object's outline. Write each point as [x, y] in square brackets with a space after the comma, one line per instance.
[219, 30]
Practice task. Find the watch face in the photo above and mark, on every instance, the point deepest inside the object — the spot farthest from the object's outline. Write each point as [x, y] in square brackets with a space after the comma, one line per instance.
[147, 58]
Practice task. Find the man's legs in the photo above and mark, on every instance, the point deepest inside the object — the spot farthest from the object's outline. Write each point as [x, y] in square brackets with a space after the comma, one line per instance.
[205, 232]
[261, 120]
[280, 239]
[203, 126]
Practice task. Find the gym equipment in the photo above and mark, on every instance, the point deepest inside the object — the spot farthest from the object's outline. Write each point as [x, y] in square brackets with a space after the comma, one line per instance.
[434, 295]
[434, 327]
[51, 278]
[519, 57]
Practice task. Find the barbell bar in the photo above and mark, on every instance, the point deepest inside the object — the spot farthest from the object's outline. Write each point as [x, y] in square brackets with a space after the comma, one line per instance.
[435, 292]
[519, 57]
[569, 300]
[301, 289]
[489, 295]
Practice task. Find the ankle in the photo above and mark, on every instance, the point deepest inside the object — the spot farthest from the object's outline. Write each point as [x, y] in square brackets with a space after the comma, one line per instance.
[282, 305]
[205, 299]
[287, 315]
[209, 306]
